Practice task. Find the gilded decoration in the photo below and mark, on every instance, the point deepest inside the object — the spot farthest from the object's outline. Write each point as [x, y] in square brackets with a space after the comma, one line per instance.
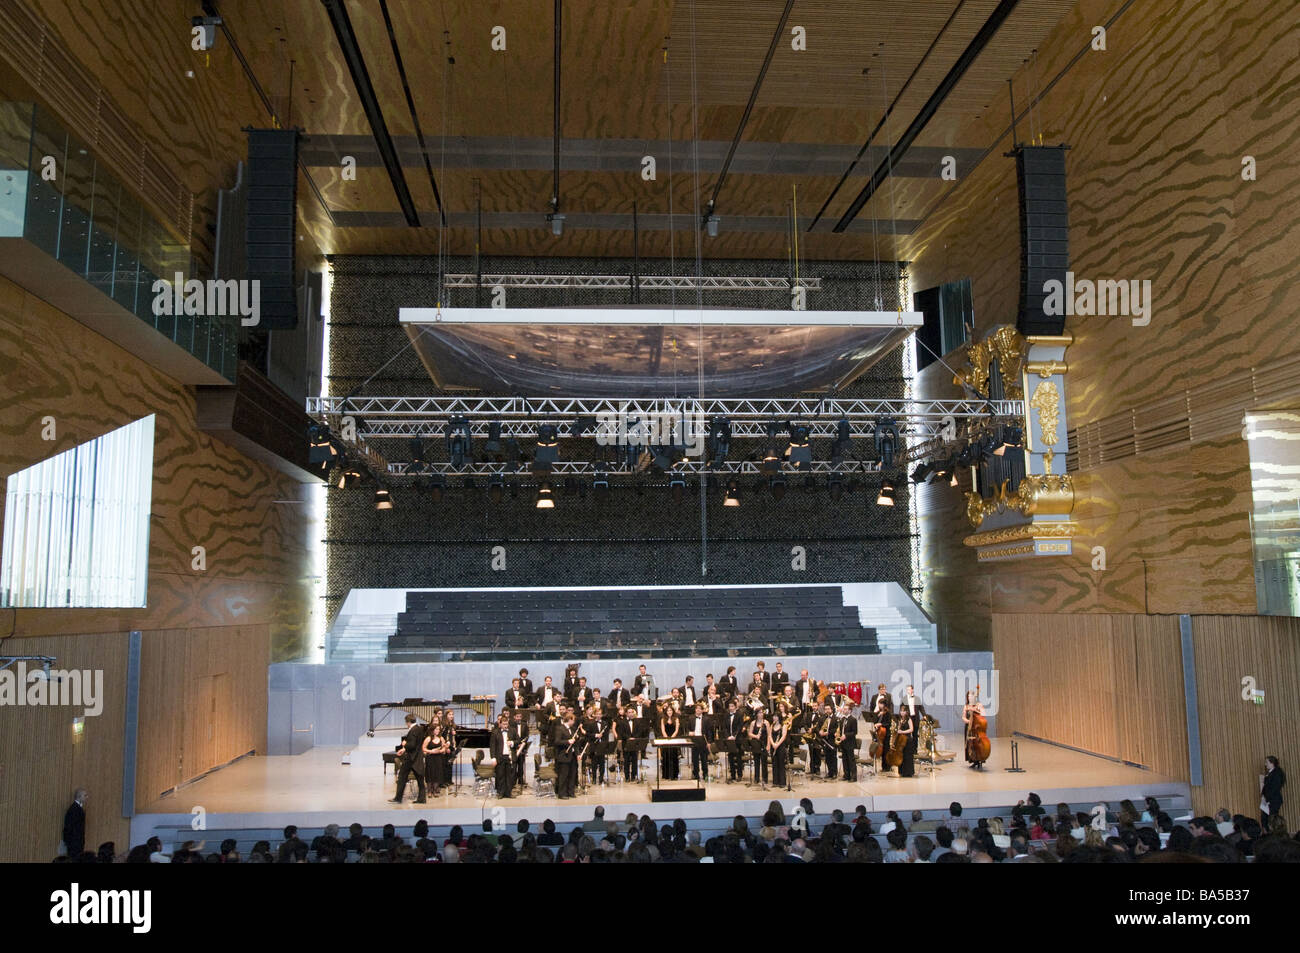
[1057, 530]
[1008, 347]
[1047, 401]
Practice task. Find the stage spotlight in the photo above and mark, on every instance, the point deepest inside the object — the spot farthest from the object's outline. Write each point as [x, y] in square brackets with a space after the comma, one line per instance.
[777, 487]
[1011, 438]
[321, 449]
[600, 485]
[458, 441]
[886, 497]
[733, 495]
[496, 488]
[843, 443]
[493, 442]
[677, 487]
[771, 459]
[350, 477]
[437, 487]
[953, 481]
[719, 439]
[922, 472]
[836, 487]
[799, 451]
[383, 499]
[548, 446]
[886, 440]
[545, 497]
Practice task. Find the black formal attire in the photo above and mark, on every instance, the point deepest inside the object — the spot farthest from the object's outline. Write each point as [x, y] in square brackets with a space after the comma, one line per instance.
[907, 769]
[626, 731]
[74, 830]
[758, 747]
[435, 765]
[515, 699]
[1270, 794]
[411, 761]
[701, 733]
[499, 742]
[449, 733]
[886, 719]
[779, 681]
[670, 728]
[689, 697]
[597, 734]
[727, 687]
[766, 679]
[813, 725]
[619, 696]
[571, 688]
[830, 725]
[780, 740]
[849, 747]
[582, 698]
[518, 739]
[734, 727]
[638, 685]
[542, 700]
[526, 686]
[799, 688]
[566, 761]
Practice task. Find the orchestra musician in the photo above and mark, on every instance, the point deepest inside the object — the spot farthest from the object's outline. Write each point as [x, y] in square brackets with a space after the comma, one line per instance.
[827, 726]
[599, 702]
[804, 690]
[701, 735]
[626, 732]
[526, 684]
[765, 677]
[907, 726]
[516, 697]
[596, 729]
[547, 694]
[571, 684]
[727, 684]
[709, 685]
[618, 695]
[687, 695]
[639, 684]
[582, 694]
[849, 742]
[758, 745]
[449, 735]
[670, 726]
[882, 710]
[758, 688]
[436, 749]
[971, 708]
[499, 742]
[776, 743]
[566, 757]
[780, 679]
[734, 732]
[519, 748]
[410, 758]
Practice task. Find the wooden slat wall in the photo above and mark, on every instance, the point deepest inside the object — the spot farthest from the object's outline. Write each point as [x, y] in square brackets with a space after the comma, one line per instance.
[1236, 734]
[1155, 193]
[1110, 684]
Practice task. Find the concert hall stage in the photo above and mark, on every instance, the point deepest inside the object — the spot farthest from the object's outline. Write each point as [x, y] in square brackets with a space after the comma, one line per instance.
[316, 788]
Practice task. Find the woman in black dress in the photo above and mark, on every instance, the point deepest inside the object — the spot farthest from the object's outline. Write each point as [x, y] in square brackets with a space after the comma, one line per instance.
[670, 727]
[907, 727]
[777, 744]
[758, 739]
[435, 750]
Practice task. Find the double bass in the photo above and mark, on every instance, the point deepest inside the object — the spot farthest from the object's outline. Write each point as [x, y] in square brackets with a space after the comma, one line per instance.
[977, 738]
[896, 745]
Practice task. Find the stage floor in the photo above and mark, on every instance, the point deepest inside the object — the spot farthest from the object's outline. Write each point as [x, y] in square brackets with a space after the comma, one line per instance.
[315, 788]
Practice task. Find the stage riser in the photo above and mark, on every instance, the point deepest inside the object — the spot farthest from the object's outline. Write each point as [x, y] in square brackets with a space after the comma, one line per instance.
[343, 692]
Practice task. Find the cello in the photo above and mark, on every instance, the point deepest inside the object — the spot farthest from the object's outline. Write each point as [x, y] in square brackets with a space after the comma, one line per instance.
[896, 745]
[977, 739]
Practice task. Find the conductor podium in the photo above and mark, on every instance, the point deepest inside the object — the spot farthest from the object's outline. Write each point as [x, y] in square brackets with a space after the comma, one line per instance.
[670, 750]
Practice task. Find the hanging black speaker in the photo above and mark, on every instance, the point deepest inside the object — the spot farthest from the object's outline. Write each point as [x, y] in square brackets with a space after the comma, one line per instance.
[1044, 234]
[270, 224]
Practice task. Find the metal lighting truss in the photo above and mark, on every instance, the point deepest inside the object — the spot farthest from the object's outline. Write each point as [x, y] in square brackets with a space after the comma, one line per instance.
[623, 282]
[611, 469]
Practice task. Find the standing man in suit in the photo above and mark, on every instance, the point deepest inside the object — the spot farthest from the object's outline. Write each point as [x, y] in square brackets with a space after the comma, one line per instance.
[700, 732]
[526, 684]
[515, 696]
[826, 729]
[546, 694]
[74, 825]
[571, 684]
[499, 742]
[804, 690]
[519, 748]
[582, 697]
[597, 735]
[639, 684]
[734, 730]
[566, 758]
[765, 677]
[727, 684]
[618, 695]
[849, 747]
[687, 692]
[410, 758]
[780, 679]
[626, 731]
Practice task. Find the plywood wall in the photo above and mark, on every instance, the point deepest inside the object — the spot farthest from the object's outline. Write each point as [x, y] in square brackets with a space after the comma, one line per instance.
[1158, 125]
[1109, 684]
